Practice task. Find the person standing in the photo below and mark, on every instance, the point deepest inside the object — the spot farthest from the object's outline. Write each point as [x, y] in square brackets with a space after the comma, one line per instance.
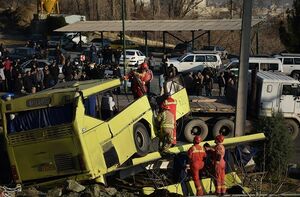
[117, 55]
[137, 79]
[148, 76]
[189, 83]
[221, 83]
[198, 83]
[166, 120]
[171, 102]
[107, 106]
[208, 84]
[220, 165]
[196, 156]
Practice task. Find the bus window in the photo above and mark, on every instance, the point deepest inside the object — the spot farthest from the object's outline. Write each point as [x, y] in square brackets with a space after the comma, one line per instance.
[51, 116]
[101, 106]
[253, 66]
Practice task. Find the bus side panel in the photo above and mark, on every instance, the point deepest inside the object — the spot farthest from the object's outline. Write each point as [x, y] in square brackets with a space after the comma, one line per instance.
[122, 127]
[93, 145]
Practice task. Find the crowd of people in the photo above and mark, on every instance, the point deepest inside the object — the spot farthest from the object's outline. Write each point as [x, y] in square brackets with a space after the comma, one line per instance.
[201, 83]
[25, 81]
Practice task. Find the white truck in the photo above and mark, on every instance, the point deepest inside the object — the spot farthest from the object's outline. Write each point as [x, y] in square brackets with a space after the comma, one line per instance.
[272, 92]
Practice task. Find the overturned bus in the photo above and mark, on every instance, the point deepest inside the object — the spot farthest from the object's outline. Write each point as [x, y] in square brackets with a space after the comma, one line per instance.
[60, 132]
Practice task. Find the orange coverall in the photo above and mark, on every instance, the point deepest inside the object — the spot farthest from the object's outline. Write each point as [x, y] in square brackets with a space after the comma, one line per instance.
[196, 155]
[220, 168]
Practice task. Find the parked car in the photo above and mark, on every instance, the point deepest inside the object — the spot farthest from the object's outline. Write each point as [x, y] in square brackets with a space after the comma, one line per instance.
[291, 64]
[217, 49]
[23, 53]
[128, 44]
[53, 41]
[259, 63]
[98, 42]
[195, 62]
[41, 63]
[133, 57]
[67, 41]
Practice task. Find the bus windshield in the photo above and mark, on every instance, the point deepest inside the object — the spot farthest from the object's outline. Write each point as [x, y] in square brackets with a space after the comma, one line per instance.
[39, 118]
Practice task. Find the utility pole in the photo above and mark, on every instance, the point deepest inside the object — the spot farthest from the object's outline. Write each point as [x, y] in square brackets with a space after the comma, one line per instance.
[241, 106]
[123, 40]
[231, 9]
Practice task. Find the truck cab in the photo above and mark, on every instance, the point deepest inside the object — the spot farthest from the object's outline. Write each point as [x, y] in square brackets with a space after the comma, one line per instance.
[279, 93]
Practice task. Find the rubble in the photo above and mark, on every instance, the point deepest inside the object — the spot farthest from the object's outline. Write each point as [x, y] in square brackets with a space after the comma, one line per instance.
[74, 186]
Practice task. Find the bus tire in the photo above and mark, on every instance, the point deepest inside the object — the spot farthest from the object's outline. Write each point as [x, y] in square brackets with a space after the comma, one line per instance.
[141, 139]
[195, 127]
[293, 128]
[224, 126]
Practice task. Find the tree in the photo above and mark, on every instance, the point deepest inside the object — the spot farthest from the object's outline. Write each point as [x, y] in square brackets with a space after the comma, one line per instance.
[290, 34]
[180, 8]
[278, 149]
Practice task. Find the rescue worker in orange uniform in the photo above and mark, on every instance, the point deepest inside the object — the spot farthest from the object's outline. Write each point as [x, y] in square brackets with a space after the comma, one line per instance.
[138, 80]
[196, 155]
[166, 120]
[169, 101]
[219, 164]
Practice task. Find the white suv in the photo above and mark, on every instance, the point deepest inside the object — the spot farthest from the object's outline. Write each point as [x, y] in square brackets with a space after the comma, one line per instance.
[291, 64]
[195, 62]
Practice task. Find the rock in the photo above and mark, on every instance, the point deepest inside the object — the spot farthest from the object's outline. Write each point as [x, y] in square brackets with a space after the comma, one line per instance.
[97, 190]
[111, 191]
[72, 194]
[74, 186]
[32, 192]
[55, 192]
[125, 194]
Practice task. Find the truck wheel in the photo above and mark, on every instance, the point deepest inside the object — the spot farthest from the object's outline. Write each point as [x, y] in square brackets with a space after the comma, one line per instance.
[195, 127]
[141, 139]
[224, 127]
[293, 128]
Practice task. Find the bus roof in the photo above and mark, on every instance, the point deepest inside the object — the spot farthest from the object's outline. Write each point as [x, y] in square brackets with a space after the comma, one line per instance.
[59, 95]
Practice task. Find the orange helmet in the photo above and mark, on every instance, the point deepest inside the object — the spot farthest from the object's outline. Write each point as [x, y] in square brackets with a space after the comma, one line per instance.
[219, 139]
[144, 65]
[197, 139]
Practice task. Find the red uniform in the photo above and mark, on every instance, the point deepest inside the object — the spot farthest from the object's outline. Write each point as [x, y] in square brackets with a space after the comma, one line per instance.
[196, 155]
[172, 104]
[138, 87]
[220, 164]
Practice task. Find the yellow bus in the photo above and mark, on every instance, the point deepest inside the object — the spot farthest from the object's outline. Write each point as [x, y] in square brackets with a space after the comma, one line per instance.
[60, 132]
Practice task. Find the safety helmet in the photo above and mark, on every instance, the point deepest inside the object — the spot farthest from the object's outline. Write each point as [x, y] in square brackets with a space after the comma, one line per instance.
[197, 139]
[144, 65]
[219, 139]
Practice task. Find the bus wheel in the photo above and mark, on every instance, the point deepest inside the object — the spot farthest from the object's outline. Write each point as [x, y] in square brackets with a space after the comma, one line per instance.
[293, 128]
[224, 127]
[141, 139]
[195, 127]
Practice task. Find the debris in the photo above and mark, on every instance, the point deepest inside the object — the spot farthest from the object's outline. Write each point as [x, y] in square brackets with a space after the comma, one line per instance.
[55, 192]
[74, 186]
[111, 191]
